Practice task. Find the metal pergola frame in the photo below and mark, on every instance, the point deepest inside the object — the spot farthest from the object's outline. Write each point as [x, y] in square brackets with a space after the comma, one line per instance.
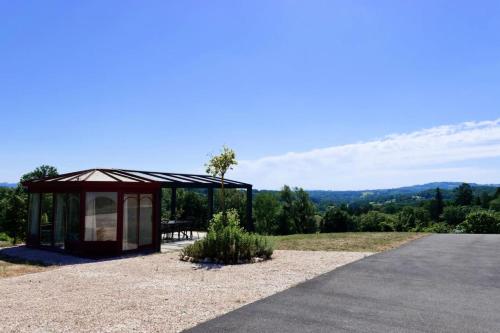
[125, 180]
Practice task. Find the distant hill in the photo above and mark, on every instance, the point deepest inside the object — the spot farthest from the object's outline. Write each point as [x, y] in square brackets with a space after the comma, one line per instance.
[431, 186]
[424, 191]
[401, 194]
[8, 185]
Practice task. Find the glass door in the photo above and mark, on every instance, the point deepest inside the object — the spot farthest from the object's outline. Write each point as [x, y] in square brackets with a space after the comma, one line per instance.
[130, 222]
[47, 220]
[73, 217]
[137, 220]
[60, 219]
[146, 219]
[66, 218]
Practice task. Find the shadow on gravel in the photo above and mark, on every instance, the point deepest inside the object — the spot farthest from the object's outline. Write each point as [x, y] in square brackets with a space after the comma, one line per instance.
[19, 253]
[207, 266]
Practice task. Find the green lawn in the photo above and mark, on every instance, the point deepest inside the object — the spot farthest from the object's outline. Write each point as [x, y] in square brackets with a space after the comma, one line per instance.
[347, 241]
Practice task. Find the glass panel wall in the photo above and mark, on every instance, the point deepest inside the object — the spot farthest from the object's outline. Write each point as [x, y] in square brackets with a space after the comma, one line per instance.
[34, 214]
[73, 217]
[60, 219]
[146, 219]
[54, 217]
[100, 216]
[46, 219]
[67, 218]
[130, 221]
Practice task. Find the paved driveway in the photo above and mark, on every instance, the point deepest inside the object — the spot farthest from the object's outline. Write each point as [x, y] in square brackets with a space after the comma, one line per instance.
[440, 283]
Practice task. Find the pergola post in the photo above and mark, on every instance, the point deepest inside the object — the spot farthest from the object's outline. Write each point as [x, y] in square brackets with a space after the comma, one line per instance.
[250, 226]
[158, 219]
[210, 195]
[173, 203]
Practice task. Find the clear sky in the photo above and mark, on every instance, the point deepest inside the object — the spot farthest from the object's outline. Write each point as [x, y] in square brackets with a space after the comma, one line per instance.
[161, 84]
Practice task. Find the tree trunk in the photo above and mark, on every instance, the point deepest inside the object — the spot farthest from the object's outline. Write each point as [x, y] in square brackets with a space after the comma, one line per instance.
[223, 198]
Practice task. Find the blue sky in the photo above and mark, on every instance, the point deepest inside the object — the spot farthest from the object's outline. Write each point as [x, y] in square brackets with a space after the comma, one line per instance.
[161, 84]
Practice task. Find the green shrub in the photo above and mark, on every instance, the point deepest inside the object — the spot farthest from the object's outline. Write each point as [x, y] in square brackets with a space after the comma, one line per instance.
[4, 237]
[495, 205]
[437, 228]
[336, 220]
[376, 221]
[227, 242]
[481, 222]
[412, 219]
[454, 215]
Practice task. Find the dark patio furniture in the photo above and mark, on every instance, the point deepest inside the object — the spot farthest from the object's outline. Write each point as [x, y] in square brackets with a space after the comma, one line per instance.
[184, 229]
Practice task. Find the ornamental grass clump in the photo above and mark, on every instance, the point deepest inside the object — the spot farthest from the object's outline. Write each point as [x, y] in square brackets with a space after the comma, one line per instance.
[227, 242]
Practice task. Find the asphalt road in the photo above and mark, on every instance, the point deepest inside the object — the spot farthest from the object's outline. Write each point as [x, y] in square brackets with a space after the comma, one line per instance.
[440, 283]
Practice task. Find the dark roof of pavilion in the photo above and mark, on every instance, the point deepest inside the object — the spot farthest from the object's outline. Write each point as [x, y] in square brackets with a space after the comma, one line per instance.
[137, 176]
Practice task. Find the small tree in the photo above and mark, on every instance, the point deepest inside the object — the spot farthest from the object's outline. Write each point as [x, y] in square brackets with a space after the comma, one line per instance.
[15, 216]
[304, 212]
[219, 165]
[485, 200]
[406, 219]
[437, 205]
[463, 195]
[454, 215]
[286, 215]
[336, 220]
[266, 209]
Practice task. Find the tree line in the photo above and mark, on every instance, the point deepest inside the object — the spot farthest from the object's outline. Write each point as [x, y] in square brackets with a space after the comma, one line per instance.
[14, 206]
[291, 211]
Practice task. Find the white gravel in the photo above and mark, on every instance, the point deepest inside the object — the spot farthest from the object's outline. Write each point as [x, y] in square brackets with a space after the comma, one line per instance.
[155, 293]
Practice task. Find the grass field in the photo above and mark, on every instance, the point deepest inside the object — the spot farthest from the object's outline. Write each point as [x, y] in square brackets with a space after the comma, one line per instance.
[348, 241]
[13, 267]
[4, 244]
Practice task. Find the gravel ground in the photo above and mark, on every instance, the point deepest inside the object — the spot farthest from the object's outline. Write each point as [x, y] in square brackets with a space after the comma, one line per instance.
[155, 293]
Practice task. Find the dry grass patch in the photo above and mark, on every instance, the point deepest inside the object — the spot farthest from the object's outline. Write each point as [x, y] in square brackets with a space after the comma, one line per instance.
[5, 243]
[10, 266]
[347, 241]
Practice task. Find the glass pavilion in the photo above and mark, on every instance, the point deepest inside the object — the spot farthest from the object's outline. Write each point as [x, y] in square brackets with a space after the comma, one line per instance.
[109, 211]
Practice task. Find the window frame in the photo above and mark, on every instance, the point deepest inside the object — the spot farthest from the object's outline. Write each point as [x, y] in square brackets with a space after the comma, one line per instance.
[119, 217]
[138, 196]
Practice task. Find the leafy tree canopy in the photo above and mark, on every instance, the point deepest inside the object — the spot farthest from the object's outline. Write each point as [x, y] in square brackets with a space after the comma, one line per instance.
[481, 222]
[218, 165]
[464, 195]
[336, 220]
[436, 206]
[42, 171]
[266, 210]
